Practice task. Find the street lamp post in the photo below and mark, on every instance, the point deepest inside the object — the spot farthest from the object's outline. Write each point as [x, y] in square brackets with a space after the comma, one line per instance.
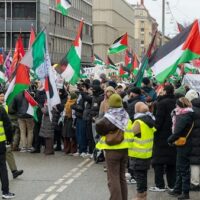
[163, 21]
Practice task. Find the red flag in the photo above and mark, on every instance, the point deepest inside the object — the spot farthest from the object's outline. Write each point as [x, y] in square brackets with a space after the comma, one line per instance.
[18, 54]
[79, 35]
[135, 61]
[32, 37]
[30, 99]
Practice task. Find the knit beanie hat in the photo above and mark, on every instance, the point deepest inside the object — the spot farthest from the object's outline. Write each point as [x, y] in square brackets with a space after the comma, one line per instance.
[110, 88]
[115, 101]
[191, 94]
[73, 95]
[141, 107]
[183, 102]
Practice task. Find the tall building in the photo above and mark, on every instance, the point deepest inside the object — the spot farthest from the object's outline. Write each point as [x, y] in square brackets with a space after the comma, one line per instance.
[145, 27]
[61, 30]
[111, 19]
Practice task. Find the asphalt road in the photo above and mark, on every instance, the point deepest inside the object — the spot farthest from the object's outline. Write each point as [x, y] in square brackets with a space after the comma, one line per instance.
[67, 178]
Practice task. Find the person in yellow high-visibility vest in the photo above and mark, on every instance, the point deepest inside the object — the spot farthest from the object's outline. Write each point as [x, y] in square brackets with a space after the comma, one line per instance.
[142, 145]
[115, 119]
[5, 136]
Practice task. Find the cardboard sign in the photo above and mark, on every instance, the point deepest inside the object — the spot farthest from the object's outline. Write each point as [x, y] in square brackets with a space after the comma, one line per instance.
[193, 81]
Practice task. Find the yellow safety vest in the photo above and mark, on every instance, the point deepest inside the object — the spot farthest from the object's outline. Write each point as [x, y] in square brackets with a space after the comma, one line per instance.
[142, 147]
[125, 144]
[2, 132]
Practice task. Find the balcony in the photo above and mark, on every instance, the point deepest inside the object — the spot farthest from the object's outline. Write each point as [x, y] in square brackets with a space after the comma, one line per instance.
[24, 25]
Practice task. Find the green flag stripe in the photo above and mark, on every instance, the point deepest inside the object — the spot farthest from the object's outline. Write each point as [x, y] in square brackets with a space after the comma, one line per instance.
[17, 89]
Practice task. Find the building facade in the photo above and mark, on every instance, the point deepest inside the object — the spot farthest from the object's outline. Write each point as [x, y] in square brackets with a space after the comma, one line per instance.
[145, 27]
[17, 16]
[111, 19]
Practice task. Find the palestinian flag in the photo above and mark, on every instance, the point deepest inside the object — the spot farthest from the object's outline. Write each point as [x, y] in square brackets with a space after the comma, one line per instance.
[53, 98]
[18, 54]
[110, 64]
[2, 77]
[19, 83]
[119, 44]
[1, 56]
[35, 57]
[32, 37]
[70, 65]
[144, 62]
[32, 105]
[97, 60]
[181, 49]
[180, 27]
[63, 6]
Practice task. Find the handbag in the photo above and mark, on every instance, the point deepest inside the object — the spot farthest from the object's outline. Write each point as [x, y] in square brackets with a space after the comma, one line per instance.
[182, 140]
[114, 137]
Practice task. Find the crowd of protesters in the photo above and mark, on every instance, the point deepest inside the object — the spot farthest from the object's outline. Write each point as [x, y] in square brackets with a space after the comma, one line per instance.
[150, 121]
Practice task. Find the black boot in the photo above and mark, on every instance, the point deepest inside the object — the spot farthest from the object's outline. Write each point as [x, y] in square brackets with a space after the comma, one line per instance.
[184, 196]
[174, 193]
[17, 173]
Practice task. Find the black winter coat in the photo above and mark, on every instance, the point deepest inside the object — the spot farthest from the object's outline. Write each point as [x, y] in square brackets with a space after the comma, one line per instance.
[20, 106]
[195, 135]
[182, 127]
[98, 97]
[162, 152]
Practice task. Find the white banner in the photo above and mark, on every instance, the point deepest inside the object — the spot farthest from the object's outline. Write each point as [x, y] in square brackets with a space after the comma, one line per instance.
[193, 81]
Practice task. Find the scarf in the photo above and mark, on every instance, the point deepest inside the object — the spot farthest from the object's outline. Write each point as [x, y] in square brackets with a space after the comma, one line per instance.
[117, 116]
[139, 115]
[68, 110]
[178, 111]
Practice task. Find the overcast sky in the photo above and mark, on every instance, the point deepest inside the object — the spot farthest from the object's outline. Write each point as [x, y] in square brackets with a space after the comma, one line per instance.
[183, 11]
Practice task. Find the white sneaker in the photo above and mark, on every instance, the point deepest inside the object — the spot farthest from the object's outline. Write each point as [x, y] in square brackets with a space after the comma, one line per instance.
[8, 196]
[76, 154]
[128, 176]
[131, 181]
[23, 150]
[156, 189]
[30, 149]
[83, 155]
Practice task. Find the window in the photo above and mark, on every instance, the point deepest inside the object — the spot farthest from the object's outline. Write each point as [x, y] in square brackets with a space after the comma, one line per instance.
[2, 10]
[1, 39]
[142, 42]
[23, 10]
[142, 29]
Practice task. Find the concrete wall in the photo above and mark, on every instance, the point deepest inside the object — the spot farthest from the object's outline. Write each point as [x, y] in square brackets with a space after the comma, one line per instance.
[111, 19]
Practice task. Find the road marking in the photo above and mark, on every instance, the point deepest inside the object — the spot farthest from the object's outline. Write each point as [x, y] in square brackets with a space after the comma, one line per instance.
[84, 169]
[69, 181]
[59, 181]
[62, 188]
[53, 196]
[40, 197]
[83, 163]
[77, 175]
[75, 169]
[80, 169]
[50, 189]
[90, 164]
[67, 175]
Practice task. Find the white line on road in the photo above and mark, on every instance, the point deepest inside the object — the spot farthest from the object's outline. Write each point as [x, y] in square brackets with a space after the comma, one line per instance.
[68, 182]
[62, 188]
[77, 175]
[52, 197]
[67, 175]
[84, 162]
[40, 197]
[59, 181]
[81, 168]
[75, 169]
[51, 188]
